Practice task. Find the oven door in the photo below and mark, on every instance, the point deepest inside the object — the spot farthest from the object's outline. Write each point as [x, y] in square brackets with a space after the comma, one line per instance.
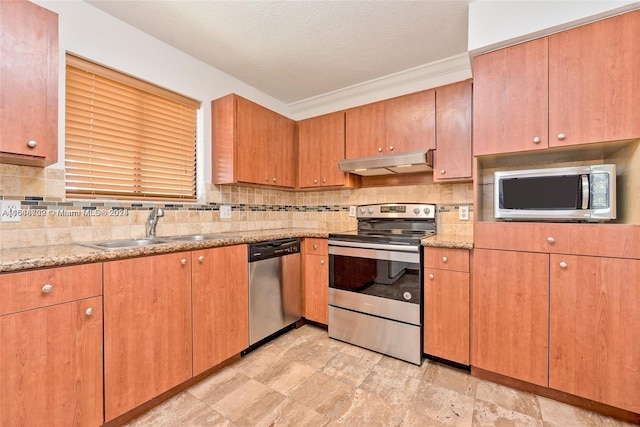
[383, 280]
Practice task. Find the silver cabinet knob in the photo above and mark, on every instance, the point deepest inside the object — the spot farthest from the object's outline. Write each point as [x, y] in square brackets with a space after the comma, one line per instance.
[47, 288]
[563, 264]
[551, 240]
[183, 261]
[442, 171]
[431, 276]
[201, 258]
[391, 148]
[536, 139]
[379, 149]
[266, 178]
[315, 246]
[32, 143]
[445, 259]
[88, 311]
[315, 181]
[322, 262]
[561, 136]
[324, 181]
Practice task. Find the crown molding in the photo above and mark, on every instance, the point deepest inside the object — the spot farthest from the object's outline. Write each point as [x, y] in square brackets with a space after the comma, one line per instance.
[434, 74]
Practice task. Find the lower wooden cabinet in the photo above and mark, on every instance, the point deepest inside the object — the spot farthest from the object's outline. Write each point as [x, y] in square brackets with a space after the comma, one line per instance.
[316, 280]
[594, 349]
[147, 329]
[220, 297]
[511, 314]
[446, 304]
[51, 347]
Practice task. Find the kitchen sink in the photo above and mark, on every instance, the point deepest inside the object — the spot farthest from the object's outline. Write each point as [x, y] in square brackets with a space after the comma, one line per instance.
[126, 243]
[199, 237]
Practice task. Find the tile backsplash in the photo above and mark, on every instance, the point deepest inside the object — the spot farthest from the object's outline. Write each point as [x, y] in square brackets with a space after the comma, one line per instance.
[48, 218]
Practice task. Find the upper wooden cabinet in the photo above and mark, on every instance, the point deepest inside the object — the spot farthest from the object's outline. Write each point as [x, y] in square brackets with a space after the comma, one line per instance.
[575, 87]
[29, 82]
[453, 123]
[320, 147]
[397, 125]
[251, 144]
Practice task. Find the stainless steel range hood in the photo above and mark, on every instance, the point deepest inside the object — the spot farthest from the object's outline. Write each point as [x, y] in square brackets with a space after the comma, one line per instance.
[388, 164]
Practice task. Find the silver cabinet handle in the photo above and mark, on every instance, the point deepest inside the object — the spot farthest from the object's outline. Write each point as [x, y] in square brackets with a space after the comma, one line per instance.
[551, 240]
[561, 136]
[200, 258]
[442, 171]
[47, 288]
[315, 246]
[391, 148]
[431, 276]
[274, 179]
[321, 262]
[536, 139]
[324, 180]
[183, 261]
[379, 149]
[32, 143]
[445, 259]
[266, 178]
[88, 311]
[563, 264]
[315, 181]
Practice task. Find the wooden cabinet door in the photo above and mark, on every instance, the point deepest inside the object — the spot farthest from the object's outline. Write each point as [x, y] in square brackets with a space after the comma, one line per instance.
[147, 329]
[280, 155]
[320, 147]
[595, 329]
[510, 99]
[453, 122]
[365, 131]
[51, 365]
[510, 327]
[594, 84]
[251, 142]
[220, 296]
[29, 81]
[446, 314]
[316, 288]
[410, 122]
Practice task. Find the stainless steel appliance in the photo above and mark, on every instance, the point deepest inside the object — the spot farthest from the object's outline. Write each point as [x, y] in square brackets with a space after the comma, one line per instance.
[577, 193]
[375, 280]
[274, 287]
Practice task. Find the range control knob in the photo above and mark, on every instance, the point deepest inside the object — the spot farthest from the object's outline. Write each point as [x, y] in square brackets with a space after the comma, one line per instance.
[427, 211]
[363, 211]
[370, 211]
[416, 211]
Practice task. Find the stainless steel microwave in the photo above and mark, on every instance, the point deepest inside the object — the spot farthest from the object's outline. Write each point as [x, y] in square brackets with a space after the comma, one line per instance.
[578, 193]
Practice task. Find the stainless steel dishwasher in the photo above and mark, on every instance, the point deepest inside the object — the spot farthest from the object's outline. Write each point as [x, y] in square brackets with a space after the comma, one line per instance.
[274, 287]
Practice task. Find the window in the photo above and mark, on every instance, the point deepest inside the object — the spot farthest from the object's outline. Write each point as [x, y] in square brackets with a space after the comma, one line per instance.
[126, 138]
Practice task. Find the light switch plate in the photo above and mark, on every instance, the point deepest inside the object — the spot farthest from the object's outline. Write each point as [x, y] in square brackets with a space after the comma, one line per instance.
[463, 213]
[352, 211]
[225, 212]
[10, 211]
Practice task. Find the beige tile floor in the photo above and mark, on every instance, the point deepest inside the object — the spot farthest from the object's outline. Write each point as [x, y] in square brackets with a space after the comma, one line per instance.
[304, 378]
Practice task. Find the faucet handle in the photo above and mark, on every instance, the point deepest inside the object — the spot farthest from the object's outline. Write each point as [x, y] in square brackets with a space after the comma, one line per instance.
[159, 212]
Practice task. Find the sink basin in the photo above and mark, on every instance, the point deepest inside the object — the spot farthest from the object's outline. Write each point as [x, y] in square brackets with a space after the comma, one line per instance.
[199, 237]
[125, 243]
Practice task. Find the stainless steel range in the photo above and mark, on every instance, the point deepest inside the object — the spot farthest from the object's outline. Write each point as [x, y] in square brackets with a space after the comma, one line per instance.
[375, 279]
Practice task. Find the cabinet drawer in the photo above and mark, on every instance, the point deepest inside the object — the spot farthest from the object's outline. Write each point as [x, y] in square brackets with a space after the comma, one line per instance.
[447, 259]
[41, 288]
[316, 246]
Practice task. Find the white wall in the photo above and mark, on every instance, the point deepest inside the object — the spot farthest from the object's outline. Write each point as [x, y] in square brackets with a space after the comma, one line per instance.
[90, 33]
[498, 23]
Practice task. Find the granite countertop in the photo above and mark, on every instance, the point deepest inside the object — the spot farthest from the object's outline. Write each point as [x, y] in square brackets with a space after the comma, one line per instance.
[29, 258]
[450, 241]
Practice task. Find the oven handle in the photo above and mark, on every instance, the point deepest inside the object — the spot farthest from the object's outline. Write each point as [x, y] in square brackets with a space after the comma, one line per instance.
[394, 247]
[381, 254]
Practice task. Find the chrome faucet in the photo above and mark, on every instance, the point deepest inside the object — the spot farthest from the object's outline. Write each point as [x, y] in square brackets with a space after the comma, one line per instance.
[152, 221]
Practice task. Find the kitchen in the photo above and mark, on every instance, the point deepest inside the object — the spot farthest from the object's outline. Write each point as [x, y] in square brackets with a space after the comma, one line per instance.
[320, 211]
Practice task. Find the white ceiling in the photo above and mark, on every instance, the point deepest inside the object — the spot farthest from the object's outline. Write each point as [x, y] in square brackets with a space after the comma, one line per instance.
[296, 50]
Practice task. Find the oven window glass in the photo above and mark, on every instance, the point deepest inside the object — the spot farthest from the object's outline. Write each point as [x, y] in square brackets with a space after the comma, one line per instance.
[386, 279]
[549, 192]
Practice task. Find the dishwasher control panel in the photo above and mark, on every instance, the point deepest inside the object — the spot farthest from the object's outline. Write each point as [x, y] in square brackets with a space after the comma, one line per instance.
[273, 248]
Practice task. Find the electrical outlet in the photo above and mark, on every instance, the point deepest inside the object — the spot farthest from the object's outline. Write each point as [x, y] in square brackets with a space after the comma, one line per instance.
[352, 211]
[10, 211]
[225, 212]
[463, 213]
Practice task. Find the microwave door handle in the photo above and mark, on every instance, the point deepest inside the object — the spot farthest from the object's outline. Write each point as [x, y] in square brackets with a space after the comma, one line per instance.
[585, 192]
